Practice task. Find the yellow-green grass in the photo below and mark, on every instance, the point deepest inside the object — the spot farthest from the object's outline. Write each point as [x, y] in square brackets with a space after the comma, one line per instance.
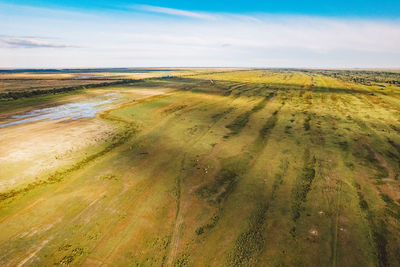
[308, 178]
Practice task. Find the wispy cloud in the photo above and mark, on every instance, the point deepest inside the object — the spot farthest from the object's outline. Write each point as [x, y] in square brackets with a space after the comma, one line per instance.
[174, 12]
[30, 42]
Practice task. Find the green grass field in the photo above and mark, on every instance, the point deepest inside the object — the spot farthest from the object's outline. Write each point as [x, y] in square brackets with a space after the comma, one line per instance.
[229, 168]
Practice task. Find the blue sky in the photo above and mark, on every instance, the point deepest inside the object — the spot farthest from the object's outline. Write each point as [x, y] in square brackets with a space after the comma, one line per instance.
[357, 8]
[328, 34]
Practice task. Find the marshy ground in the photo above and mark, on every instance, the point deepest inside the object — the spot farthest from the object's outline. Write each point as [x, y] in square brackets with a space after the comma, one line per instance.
[208, 168]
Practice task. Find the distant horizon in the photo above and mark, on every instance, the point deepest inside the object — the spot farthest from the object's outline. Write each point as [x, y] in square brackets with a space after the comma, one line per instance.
[180, 67]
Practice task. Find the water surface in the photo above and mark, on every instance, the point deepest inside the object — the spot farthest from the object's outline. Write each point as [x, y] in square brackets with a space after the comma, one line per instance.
[71, 111]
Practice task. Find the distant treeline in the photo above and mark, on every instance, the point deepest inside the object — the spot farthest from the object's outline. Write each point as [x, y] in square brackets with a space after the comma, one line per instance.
[32, 93]
[364, 77]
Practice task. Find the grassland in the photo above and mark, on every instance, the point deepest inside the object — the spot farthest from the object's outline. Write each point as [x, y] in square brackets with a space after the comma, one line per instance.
[17, 84]
[224, 168]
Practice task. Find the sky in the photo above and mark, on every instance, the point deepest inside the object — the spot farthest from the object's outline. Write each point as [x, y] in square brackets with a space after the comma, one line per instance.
[262, 34]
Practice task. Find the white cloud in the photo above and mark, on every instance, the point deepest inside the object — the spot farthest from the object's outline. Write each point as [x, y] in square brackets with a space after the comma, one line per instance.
[316, 35]
[174, 12]
[29, 42]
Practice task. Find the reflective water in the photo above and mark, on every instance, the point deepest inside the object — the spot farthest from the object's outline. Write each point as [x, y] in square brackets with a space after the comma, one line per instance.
[72, 111]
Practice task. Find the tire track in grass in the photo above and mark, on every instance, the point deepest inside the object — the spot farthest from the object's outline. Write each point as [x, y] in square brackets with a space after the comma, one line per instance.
[223, 186]
[377, 222]
[250, 243]
[174, 244]
[302, 184]
[318, 137]
[378, 230]
[33, 253]
[363, 151]
[336, 227]
[302, 187]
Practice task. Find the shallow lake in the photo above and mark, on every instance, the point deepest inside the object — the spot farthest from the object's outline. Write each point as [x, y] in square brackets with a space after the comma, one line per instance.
[71, 111]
